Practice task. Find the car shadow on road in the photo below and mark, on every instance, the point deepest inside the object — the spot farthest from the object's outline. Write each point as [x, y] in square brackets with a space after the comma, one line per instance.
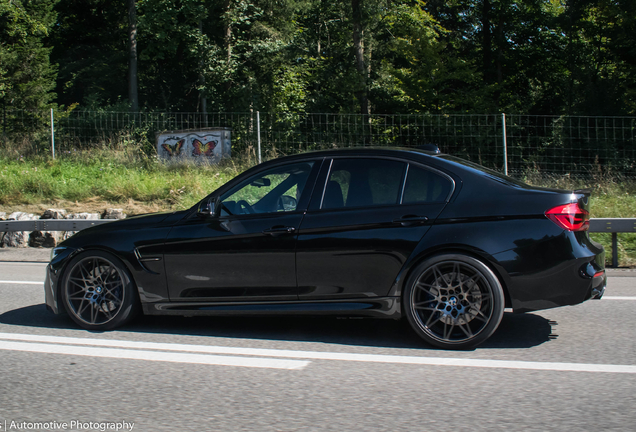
[515, 331]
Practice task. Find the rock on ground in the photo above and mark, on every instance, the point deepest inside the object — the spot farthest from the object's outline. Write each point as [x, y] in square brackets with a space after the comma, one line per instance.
[17, 238]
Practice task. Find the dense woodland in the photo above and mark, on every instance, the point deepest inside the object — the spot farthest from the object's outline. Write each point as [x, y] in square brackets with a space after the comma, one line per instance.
[338, 56]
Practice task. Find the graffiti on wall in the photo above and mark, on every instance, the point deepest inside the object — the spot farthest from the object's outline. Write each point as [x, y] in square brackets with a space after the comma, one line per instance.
[210, 145]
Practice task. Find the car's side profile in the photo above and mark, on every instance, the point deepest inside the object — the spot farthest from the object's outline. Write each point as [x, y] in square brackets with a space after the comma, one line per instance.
[368, 232]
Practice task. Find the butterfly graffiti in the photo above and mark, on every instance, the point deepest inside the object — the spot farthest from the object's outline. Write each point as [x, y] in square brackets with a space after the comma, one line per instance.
[173, 149]
[200, 149]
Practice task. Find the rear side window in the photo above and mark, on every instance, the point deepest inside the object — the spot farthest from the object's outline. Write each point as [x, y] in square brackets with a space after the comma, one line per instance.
[424, 186]
[363, 183]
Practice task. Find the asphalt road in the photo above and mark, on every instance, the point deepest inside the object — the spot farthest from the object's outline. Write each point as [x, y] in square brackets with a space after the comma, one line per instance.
[571, 368]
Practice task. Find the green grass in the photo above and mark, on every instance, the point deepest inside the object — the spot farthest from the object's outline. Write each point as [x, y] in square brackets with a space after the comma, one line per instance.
[127, 178]
[118, 178]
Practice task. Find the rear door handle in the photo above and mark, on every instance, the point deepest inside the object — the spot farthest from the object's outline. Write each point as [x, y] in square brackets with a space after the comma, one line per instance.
[410, 220]
[279, 230]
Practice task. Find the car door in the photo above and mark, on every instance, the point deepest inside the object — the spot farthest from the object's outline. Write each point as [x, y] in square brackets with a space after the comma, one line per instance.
[245, 250]
[368, 219]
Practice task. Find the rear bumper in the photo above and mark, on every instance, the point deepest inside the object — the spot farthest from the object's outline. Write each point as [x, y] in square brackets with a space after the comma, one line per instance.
[599, 282]
[565, 270]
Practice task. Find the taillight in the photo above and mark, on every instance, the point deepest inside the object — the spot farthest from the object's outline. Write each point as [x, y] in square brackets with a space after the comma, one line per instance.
[570, 217]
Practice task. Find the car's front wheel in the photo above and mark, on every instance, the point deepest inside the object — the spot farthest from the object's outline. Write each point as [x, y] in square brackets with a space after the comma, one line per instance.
[98, 292]
[453, 301]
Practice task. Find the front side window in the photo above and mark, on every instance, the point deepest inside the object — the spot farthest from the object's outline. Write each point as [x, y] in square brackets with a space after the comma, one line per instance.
[276, 190]
[363, 183]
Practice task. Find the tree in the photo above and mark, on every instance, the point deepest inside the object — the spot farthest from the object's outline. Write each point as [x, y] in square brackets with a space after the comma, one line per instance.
[26, 74]
[133, 95]
[90, 44]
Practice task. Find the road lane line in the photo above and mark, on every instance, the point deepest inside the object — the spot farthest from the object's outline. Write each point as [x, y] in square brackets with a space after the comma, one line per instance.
[173, 357]
[618, 298]
[22, 282]
[316, 355]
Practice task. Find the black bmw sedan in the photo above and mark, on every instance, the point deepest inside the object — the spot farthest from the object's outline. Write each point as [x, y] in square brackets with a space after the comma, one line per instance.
[383, 233]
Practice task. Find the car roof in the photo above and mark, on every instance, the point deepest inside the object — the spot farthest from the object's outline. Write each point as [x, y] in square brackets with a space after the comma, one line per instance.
[366, 151]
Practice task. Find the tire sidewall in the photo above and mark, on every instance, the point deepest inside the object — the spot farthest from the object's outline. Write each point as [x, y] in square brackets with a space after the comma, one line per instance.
[498, 300]
[130, 299]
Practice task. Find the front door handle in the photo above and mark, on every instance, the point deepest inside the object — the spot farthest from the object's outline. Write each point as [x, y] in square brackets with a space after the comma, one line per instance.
[279, 230]
[410, 220]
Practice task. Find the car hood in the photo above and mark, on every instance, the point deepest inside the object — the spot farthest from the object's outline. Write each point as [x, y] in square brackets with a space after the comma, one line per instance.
[133, 223]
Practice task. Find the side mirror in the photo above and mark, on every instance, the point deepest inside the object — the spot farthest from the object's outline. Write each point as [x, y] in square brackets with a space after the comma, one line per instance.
[206, 209]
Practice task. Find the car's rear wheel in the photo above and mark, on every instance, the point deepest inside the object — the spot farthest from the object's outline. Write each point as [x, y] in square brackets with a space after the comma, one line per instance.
[454, 301]
[98, 292]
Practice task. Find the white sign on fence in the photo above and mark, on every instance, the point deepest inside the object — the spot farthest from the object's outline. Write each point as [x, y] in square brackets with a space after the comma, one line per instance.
[208, 145]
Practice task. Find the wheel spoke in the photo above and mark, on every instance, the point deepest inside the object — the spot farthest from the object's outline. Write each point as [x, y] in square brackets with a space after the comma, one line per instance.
[432, 309]
[429, 324]
[480, 316]
[438, 275]
[93, 313]
[467, 331]
[106, 310]
[450, 327]
[425, 302]
[81, 309]
[422, 286]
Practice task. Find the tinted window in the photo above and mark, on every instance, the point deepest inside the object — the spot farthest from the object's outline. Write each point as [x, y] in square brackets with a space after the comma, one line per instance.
[363, 183]
[424, 186]
[275, 190]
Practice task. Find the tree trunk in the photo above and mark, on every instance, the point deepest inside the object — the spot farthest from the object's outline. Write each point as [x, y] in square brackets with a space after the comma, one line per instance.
[228, 39]
[203, 101]
[132, 57]
[486, 42]
[358, 46]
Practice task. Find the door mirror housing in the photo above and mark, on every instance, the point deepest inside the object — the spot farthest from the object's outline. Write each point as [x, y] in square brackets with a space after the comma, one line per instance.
[207, 208]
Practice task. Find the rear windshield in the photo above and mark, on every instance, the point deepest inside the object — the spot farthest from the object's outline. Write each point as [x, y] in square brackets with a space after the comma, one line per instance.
[497, 176]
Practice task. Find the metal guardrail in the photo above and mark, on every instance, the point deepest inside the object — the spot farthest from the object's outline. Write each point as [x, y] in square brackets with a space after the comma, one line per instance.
[51, 224]
[614, 226]
[597, 225]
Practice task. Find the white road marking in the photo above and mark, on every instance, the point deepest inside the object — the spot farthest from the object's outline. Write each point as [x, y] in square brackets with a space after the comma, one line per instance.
[618, 298]
[22, 282]
[173, 357]
[132, 347]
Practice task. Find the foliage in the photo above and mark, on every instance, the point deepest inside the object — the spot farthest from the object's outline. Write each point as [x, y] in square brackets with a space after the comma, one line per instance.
[561, 57]
[26, 75]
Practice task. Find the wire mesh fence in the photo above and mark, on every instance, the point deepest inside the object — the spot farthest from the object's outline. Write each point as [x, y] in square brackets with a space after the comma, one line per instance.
[557, 145]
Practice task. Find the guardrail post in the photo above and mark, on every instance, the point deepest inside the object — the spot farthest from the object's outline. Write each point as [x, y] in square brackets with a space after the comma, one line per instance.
[614, 249]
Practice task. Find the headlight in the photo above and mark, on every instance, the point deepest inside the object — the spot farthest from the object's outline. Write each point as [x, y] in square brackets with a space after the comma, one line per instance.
[56, 251]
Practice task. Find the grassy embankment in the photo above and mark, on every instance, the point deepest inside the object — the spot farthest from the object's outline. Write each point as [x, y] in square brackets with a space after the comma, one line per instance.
[93, 181]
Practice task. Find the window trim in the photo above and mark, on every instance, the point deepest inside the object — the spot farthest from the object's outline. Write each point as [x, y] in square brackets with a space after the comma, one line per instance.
[405, 172]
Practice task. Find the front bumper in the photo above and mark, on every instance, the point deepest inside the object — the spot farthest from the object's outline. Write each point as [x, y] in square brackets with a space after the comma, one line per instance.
[50, 293]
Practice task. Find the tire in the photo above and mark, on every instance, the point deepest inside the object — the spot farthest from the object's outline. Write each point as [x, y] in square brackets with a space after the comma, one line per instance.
[98, 292]
[453, 301]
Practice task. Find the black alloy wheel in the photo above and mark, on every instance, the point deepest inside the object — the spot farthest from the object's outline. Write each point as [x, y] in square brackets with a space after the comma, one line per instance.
[454, 301]
[98, 292]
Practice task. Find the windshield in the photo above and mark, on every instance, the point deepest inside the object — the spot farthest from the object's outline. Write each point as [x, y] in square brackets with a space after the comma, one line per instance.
[495, 175]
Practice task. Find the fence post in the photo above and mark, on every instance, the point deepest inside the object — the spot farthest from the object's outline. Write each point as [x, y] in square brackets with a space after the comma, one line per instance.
[52, 135]
[258, 134]
[505, 145]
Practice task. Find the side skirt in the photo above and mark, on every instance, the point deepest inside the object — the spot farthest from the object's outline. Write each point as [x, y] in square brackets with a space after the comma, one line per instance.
[383, 307]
